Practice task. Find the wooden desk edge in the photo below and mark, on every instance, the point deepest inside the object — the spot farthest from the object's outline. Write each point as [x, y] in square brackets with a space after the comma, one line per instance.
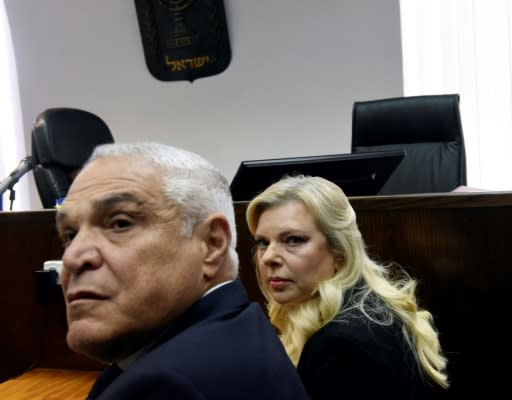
[47, 383]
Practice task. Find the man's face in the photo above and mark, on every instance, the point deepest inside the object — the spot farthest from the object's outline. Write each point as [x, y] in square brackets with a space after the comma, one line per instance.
[128, 271]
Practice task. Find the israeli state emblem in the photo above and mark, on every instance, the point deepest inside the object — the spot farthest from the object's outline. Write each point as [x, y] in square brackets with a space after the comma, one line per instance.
[184, 39]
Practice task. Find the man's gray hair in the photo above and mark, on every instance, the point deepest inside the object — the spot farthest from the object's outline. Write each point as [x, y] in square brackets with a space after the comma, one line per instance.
[191, 182]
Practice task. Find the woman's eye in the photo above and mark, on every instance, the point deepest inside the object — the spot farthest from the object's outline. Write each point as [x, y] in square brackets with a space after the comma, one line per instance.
[295, 240]
[260, 243]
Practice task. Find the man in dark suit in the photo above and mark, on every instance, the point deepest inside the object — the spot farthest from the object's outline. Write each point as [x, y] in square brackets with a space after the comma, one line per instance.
[150, 284]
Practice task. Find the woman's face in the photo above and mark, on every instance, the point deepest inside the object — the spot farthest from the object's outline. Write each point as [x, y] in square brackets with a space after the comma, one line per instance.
[291, 253]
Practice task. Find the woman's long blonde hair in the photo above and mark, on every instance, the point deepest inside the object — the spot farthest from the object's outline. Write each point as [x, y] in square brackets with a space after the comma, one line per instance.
[336, 219]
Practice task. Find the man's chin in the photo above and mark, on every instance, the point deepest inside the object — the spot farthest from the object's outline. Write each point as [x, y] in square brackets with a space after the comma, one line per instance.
[90, 341]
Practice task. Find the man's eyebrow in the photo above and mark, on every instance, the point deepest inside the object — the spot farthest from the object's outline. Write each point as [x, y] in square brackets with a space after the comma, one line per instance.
[105, 203]
[109, 201]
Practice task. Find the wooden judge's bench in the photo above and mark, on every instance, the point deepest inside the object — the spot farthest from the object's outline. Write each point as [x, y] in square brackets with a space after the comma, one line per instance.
[458, 246]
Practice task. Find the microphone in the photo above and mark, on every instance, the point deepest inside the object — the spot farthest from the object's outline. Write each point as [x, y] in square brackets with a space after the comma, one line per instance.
[25, 165]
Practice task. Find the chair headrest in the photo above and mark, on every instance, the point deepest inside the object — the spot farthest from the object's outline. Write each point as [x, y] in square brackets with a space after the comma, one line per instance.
[413, 119]
[67, 137]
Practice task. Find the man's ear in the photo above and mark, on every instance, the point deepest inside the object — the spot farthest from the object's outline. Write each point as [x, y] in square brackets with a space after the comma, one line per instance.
[217, 237]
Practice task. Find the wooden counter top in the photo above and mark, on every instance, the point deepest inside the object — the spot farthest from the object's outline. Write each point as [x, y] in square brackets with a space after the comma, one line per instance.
[49, 384]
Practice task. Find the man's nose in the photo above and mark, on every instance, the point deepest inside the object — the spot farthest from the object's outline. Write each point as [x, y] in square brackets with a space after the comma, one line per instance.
[83, 251]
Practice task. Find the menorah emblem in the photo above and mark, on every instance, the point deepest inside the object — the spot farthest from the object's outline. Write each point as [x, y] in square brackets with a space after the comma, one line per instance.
[181, 36]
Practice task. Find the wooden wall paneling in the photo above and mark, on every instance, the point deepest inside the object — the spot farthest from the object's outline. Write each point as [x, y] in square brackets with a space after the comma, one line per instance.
[456, 245]
[31, 334]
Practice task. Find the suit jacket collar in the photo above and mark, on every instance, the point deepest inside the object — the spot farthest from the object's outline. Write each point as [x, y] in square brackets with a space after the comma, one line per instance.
[225, 299]
[104, 380]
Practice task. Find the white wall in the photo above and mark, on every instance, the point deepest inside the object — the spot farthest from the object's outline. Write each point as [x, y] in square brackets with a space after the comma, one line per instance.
[297, 67]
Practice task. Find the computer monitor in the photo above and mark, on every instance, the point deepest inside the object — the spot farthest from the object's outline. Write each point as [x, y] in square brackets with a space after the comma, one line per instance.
[361, 174]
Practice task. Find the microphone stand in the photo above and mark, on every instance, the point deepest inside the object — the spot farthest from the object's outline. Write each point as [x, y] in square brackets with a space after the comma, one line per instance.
[25, 165]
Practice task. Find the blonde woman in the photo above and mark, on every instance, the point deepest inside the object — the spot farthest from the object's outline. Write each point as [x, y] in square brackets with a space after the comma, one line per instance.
[347, 323]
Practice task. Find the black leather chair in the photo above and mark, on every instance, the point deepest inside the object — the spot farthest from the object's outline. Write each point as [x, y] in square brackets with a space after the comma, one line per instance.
[62, 140]
[428, 128]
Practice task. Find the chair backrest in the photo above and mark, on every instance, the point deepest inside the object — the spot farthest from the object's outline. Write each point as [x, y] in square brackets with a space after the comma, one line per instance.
[62, 141]
[428, 128]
